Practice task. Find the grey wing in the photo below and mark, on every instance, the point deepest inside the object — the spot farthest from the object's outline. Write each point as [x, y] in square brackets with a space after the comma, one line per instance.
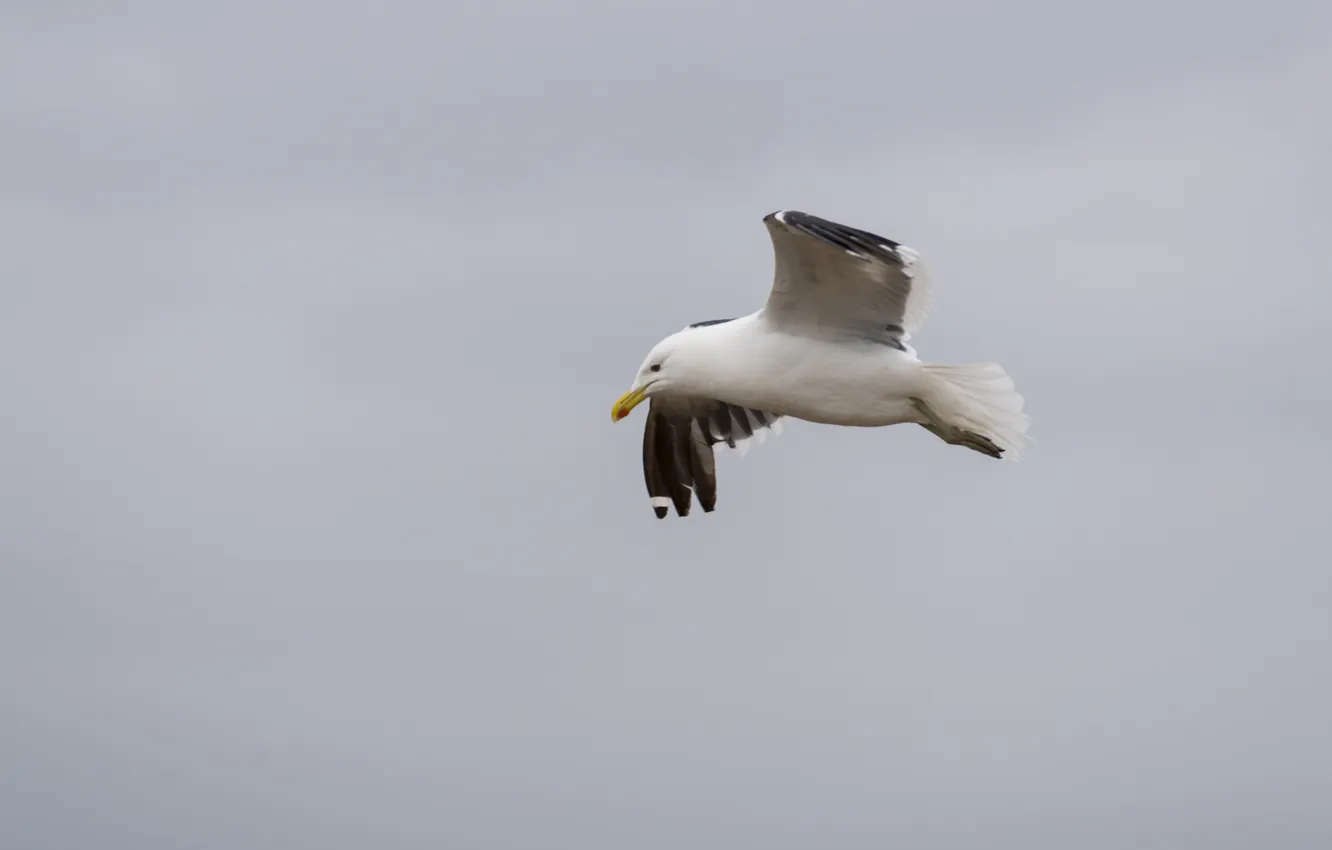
[706, 322]
[678, 441]
[837, 279]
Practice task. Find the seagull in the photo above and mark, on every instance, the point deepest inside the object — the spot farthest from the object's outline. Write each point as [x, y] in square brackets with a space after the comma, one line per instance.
[829, 346]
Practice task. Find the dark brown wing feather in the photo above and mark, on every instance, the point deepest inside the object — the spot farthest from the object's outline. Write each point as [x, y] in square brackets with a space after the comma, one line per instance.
[678, 440]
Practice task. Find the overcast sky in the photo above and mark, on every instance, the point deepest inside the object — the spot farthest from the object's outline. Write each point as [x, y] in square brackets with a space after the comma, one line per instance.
[315, 530]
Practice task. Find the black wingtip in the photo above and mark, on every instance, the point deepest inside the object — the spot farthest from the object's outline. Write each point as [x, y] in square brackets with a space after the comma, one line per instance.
[853, 239]
[660, 511]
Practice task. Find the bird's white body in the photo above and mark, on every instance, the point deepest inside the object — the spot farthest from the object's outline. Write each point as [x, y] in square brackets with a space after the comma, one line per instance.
[746, 362]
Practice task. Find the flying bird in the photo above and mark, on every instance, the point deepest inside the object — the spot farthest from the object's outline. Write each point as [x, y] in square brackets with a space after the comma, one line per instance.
[828, 346]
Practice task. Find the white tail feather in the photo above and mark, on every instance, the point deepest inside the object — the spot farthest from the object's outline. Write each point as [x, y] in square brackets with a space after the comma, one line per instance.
[980, 397]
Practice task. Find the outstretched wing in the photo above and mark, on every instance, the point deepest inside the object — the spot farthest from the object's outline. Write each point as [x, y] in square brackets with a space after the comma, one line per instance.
[678, 448]
[836, 279]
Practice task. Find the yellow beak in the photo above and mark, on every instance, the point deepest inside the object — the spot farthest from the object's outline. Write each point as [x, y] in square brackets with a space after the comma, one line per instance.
[626, 403]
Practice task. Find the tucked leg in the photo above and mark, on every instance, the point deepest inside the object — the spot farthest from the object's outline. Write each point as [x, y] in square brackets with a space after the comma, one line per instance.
[955, 436]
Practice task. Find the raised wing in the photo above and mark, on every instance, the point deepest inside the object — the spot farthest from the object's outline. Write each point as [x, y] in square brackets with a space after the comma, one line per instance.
[836, 279]
[678, 454]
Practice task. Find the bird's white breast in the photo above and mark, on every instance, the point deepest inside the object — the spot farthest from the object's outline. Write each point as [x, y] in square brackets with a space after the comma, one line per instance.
[820, 380]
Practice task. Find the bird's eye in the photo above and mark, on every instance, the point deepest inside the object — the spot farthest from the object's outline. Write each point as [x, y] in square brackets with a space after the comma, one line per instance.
[656, 367]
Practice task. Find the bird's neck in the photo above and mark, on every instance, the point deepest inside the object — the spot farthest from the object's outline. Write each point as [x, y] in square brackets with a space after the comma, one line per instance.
[724, 358]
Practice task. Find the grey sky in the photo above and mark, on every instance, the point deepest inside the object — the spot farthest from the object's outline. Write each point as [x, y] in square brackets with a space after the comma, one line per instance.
[315, 531]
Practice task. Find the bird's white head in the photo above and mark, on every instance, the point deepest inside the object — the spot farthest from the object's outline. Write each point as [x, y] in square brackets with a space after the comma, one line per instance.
[678, 364]
[658, 371]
